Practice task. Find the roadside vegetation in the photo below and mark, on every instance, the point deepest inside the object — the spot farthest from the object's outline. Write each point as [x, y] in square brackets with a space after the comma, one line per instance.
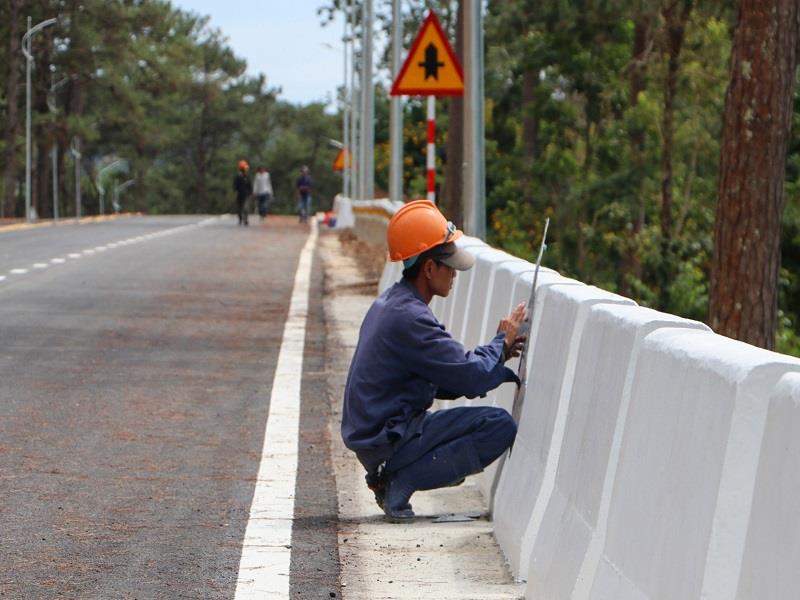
[655, 134]
[158, 89]
[624, 123]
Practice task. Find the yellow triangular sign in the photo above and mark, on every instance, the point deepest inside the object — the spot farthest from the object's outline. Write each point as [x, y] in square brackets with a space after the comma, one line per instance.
[431, 67]
[342, 160]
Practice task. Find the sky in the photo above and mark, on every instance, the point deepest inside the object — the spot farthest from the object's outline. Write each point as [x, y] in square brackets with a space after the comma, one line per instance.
[284, 40]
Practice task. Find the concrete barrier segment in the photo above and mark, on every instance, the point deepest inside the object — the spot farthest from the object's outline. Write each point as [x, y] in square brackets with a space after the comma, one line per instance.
[498, 297]
[457, 306]
[528, 476]
[772, 547]
[392, 272]
[442, 307]
[481, 275]
[686, 467]
[567, 547]
[512, 284]
[505, 395]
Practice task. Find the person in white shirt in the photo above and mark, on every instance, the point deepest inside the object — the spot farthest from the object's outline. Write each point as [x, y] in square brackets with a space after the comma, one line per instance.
[263, 191]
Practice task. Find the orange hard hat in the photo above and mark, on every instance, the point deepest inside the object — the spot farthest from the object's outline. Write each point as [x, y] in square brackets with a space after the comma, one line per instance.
[418, 226]
[243, 166]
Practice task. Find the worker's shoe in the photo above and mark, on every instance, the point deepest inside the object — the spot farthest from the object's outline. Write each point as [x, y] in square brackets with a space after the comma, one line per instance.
[396, 506]
[446, 465]
[377, 483]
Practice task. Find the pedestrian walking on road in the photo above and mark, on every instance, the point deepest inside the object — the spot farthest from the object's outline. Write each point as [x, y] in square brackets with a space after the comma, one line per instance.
[243, 189]
[303, 185]
[263, 191]
[405, 358]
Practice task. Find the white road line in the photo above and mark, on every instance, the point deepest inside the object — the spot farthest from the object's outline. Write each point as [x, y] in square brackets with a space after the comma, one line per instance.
[266, 549]
[88, 251]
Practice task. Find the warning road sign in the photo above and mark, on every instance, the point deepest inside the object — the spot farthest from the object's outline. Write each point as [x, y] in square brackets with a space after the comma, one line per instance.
[431, 67]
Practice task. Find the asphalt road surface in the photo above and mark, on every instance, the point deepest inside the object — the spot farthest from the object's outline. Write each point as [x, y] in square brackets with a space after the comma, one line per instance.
[136, 363]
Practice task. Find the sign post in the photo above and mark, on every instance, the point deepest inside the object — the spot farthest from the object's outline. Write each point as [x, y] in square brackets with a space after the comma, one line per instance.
[431, 69]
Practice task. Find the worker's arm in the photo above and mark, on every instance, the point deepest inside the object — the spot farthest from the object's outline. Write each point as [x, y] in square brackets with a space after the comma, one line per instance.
[434, 355]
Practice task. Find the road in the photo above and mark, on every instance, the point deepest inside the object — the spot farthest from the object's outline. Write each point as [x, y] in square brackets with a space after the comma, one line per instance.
[136, 363]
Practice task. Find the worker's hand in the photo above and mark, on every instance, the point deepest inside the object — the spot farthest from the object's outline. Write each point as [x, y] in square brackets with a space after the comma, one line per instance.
[513, 343]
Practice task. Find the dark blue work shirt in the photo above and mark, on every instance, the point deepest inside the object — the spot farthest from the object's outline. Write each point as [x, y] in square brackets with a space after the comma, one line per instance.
[404, 359]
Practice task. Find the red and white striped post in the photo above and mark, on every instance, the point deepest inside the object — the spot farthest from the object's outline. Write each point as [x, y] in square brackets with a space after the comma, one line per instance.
[431, 163]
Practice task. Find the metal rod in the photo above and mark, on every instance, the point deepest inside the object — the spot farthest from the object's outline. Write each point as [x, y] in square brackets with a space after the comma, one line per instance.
[28, 61]
[76, 155]
[26, 50]
[431, 158]
[355, 178]
[396, 110]
[54, 152]
[344, 105]
[474, 180]
[367, 110]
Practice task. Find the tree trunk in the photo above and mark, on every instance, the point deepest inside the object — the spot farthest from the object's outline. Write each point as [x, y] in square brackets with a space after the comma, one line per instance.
[12, 92]
[630, 263]
[757, 121]
[530, 130]
[675, 26]
[43, 199]
[453, 188]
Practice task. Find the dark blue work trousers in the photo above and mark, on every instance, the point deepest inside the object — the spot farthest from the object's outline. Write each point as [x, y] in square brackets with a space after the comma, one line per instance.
[490, 429]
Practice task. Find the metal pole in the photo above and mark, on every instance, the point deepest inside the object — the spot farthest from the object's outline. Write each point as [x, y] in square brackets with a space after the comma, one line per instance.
[76, 155]
[54, 152]
[362, 183]
[367, 109]
[51, 105]
[345, 107]
[474, 180]
[355, 177]
[28, 60]
[431, 159]
[396, 110]
[26, 50]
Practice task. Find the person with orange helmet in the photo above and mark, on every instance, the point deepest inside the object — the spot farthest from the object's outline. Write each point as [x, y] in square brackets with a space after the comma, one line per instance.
[405, 359]
[243, 188]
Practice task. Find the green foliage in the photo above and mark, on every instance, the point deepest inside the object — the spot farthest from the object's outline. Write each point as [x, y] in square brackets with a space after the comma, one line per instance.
[161, 89]
[596, 167]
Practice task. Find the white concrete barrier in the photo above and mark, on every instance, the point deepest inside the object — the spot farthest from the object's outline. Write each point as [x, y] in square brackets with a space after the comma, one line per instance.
[528, 475]
[578, 508]
[518, 278]
[469, 326]
[444, 306]
[772, 547]
[654, 460]
[392, 272]
[686, 474]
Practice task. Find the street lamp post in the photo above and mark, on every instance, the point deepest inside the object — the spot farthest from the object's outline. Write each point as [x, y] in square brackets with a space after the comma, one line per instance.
[26, 50]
